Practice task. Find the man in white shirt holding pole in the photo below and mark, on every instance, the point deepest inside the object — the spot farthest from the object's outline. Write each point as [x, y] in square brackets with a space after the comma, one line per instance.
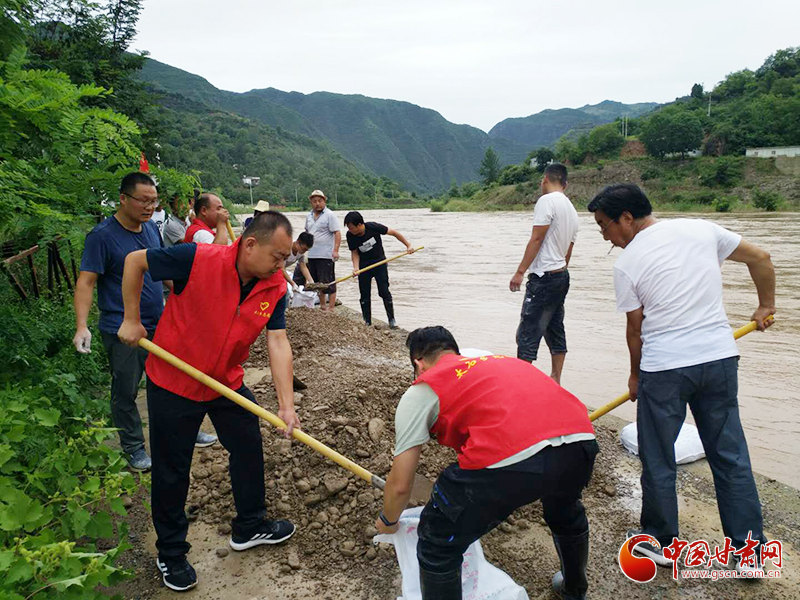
[555, 228]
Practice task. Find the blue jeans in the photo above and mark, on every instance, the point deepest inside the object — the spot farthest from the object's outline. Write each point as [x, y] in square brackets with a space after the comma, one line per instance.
[543, 315]
[710, 389]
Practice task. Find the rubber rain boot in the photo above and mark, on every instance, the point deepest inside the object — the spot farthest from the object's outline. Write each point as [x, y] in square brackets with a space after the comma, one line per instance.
[440, 586]
[573, 550]
[389, 306]
[366, 311]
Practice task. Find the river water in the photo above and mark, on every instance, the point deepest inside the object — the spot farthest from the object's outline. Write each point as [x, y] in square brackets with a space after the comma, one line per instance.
[461, 280]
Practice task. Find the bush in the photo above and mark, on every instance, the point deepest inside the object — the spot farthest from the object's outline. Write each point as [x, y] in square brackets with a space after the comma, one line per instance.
[725, 203]
[724, 172]
[59, 482]
[768, 201]
[437, 205]
[704, 198]
[650, 173]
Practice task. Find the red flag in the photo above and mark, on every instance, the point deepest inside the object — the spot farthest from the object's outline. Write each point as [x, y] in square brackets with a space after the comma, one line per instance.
[143, 166]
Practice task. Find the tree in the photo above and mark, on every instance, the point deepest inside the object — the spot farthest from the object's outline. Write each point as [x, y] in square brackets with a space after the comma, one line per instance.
[697, 91]
[543, 157]
[672, 130]
[605, 140]
[490, 166]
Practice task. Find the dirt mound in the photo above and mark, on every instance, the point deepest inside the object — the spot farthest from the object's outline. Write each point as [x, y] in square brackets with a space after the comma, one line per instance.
[355, 377]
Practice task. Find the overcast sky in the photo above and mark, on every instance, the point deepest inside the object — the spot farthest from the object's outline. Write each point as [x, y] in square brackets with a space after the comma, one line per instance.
[475, 62]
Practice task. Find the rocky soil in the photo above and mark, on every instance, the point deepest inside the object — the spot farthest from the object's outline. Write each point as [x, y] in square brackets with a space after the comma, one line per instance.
[355, 376]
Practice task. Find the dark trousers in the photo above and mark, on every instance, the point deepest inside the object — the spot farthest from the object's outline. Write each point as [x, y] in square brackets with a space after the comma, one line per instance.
[381, 276]
[466, 504]
[127, 368]
[710, 390]
[174, 423]
[543, 315]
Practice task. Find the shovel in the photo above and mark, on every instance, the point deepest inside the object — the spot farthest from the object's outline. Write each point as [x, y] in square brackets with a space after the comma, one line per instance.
[317, 287]
[230, 232]
[742, 331]
[254, 408]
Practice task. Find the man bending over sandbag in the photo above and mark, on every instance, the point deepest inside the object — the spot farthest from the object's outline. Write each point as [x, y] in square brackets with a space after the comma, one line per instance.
[520, 437]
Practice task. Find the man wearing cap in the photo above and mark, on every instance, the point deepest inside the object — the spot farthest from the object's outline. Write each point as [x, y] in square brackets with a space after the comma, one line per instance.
[519, 436]
[261, 207]
[243, 285]
[324, 226]
[209, 214]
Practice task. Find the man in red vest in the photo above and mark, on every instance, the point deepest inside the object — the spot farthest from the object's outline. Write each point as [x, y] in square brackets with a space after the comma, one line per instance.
[240, 289]
[210, 215]
[519, 436]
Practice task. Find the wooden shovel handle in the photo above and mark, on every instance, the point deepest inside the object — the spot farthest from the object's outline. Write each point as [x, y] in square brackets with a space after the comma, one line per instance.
[377, 264]
[230, 231]
[742, 331]
[254, 408]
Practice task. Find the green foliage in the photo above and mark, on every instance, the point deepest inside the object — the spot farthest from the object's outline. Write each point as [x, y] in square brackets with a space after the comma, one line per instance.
[766, 200]
[725, 171]
[724, 203]
[438, 205]
[454, 191]
[490, 166]
[697, 91]
[543, 157]
[513, 174]
[59, 481]
[605, 140]
[572, 151]
[470, 188]
[672, 130]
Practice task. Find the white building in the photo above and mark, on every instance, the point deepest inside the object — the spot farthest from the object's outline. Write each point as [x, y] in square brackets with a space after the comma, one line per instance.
[773, 152]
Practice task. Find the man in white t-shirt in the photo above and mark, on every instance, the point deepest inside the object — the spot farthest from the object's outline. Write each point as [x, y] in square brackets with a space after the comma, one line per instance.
[303, 243]
[555, 228]
[669, 283]
[324, 226]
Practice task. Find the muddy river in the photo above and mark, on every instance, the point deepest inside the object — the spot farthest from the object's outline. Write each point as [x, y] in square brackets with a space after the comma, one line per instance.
[461, 280]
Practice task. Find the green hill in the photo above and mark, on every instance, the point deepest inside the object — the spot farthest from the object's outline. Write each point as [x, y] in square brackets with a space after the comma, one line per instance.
[545, 127]
[223, 147]
[412, 145]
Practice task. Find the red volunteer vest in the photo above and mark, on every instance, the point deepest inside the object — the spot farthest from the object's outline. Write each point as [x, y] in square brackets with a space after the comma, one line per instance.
[220, 346]
[196, 226]
[492, 407]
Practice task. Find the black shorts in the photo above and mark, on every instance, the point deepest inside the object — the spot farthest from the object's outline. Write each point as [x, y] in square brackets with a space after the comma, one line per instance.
[543, 315]
[323, 271]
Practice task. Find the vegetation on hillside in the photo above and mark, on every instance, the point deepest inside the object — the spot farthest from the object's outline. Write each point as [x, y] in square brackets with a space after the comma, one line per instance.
[412, 145]
[748, 109]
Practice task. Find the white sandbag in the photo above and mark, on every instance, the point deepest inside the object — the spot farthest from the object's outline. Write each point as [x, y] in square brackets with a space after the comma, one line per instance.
[474, 352]
[480, 580]
[688, 447]
[303, 298]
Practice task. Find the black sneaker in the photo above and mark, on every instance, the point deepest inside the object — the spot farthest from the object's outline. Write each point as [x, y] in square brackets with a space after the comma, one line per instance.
[268, 532]
[650, 551]
[177, 574]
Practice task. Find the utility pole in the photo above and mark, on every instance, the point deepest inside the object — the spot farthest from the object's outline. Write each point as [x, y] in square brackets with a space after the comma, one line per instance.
[709, 105]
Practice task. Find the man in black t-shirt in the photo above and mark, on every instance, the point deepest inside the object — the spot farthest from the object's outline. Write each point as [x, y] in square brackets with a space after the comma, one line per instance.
[366, 248]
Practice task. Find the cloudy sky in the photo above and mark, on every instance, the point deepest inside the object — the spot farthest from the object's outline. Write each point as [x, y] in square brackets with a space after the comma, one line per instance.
[475, 62]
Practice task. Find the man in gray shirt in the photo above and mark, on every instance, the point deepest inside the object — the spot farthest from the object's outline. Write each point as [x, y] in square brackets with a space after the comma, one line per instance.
[324, 226]
[175, 225]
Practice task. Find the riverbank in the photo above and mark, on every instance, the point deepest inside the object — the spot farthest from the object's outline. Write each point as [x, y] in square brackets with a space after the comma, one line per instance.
[707, 184]
[355, 375]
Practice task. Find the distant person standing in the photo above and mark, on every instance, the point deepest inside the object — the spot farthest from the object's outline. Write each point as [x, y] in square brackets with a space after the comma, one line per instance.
[104, 252]
[366, 248]
[555, 228]
[159, 217]
[324, 226]
[261, 207]
[208, 226]
[175, 226]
